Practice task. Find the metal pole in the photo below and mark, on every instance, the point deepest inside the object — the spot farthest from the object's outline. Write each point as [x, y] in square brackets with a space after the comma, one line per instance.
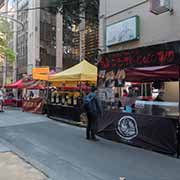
[178, 123]
[48, 100]
[5, 58]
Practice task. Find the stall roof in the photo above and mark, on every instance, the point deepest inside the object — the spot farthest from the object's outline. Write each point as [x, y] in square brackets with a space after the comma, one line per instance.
[77, 88]
[20, 85]
[149, 74]
[16, 85]
[84, 71]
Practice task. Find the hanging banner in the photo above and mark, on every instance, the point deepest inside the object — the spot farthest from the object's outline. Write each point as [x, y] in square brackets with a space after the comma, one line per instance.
[40, 73]
[33, 105]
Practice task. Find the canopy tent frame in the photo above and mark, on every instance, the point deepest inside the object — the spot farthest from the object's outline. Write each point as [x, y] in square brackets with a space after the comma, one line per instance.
[82, 72]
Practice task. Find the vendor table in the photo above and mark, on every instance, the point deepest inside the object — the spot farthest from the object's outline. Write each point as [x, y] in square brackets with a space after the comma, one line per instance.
[35, 105]
[149, 132]
[63, 111]
[13, 102]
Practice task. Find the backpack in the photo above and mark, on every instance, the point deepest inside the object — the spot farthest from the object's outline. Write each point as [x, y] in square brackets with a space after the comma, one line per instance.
[89, 102]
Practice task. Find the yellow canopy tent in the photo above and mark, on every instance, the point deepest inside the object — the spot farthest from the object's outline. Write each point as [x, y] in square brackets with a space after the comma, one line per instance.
[84, 71]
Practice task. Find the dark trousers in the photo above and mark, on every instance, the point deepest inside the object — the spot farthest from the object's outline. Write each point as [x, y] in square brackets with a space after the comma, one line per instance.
[91, 126]
[1, 105]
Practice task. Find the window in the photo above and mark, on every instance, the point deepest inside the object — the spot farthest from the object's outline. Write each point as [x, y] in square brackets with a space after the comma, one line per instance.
[159, 6]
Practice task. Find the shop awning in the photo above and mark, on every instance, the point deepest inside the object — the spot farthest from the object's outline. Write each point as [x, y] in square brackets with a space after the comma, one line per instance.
[149, 74]
[84, 71]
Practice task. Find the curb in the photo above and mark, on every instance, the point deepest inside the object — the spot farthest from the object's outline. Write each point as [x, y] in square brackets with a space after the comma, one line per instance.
[34, 163]
[73, 123]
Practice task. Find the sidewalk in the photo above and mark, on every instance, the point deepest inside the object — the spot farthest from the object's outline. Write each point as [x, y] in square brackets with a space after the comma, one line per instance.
[14, 168]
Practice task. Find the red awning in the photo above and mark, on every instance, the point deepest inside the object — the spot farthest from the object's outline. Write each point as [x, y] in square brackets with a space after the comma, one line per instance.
[84, 88]
[20, 85]
[149, 74]
[16, 85]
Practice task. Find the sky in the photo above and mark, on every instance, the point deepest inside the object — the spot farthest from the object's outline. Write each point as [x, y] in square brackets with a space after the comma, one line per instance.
[10, 2]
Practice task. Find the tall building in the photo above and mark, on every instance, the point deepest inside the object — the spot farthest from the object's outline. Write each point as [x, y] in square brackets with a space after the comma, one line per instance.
[22, 38]
[57, 44]
[154, 29]
[42, 36]
[45, 40]
[36, 41]
[81, 41]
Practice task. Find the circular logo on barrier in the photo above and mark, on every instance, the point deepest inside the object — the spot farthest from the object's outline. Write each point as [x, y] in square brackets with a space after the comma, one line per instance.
[127, 128]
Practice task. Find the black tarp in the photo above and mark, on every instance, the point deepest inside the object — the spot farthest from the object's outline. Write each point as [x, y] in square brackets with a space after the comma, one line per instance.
[149, 132]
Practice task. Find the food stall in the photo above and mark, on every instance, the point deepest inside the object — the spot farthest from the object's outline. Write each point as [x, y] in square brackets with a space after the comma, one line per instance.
[65, 100]
[150, 122]
[27, 86]
[14, 101]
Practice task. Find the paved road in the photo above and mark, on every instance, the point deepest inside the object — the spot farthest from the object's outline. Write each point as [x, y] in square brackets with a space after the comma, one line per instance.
[62, 152]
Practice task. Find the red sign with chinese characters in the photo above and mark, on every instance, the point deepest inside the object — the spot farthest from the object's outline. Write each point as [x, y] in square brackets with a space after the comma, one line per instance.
[158, 55]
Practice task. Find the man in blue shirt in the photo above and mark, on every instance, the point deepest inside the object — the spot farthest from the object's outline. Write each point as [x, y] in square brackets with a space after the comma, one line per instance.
[93, 109]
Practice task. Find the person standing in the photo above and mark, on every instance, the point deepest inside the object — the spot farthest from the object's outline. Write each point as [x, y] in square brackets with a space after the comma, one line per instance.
[93, 109]
[31, 94]
[1, 100]
[125, 93]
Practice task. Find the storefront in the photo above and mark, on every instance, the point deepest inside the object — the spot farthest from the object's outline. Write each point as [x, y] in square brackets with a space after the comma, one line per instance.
[145, 118]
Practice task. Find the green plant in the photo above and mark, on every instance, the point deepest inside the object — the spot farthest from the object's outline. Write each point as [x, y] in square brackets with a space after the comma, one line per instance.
[5, 36]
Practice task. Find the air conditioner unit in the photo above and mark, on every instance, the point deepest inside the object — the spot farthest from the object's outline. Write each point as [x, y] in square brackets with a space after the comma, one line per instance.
[159, 6]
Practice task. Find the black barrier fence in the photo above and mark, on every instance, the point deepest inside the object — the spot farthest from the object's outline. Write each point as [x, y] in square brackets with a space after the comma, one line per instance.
[154, 133]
